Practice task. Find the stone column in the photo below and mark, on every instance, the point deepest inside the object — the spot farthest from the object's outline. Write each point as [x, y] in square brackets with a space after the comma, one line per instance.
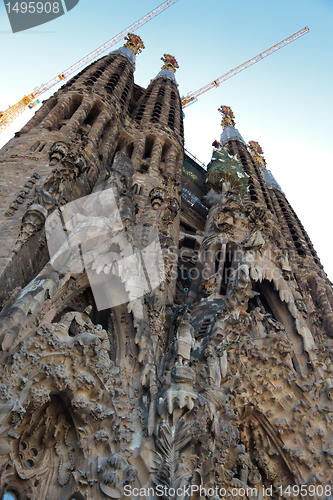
[156, 154]
[57, 114]
[109, 143]
[77, 119]
[170, 162]
[138, 151]
[98, 127]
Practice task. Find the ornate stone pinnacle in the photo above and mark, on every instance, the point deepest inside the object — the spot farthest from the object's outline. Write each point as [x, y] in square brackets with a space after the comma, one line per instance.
[134, 42]
[257, 153]
[227, 116]
[169, 62]
[255, 147]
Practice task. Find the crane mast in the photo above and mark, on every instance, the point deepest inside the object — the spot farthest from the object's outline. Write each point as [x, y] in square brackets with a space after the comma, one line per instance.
[8, 116]
[192, 96]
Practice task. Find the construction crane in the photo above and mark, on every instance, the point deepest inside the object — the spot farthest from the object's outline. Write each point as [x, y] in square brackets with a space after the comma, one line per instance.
[9, 115]
[192, 96]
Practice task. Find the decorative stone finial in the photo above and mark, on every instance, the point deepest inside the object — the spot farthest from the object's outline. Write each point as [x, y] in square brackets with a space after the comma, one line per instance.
[134, 42]
[169, 62]
[227, 116]
[255, 147]
[257, 154]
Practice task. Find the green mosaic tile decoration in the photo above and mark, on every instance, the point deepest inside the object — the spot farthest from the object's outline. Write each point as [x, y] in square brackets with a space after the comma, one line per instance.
[224, 167]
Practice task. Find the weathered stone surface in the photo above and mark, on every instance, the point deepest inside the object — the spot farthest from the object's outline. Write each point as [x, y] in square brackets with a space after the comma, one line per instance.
[219, 378]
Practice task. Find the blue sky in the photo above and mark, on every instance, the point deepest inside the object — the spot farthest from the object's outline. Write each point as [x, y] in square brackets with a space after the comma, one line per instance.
[284, 102]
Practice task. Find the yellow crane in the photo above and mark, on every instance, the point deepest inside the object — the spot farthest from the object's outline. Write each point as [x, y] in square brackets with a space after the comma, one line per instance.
[9, 115]
[192, 96]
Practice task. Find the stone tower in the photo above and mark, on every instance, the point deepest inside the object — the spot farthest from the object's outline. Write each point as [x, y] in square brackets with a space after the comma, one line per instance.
[165, 331]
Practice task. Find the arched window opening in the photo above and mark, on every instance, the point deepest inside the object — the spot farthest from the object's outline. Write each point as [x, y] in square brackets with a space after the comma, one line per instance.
[187, 243]
[142, 107]
[94, 112]
[136, 189]
[110, 86]
[75, 103]
[149, 146]
[121, 144]
[121, 66]
[171, 118]
[124, 95]
[156, 112]
[260, 301]
[158, 104]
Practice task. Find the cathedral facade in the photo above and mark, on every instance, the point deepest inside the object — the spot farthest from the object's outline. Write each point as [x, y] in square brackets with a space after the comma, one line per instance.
[165, 329]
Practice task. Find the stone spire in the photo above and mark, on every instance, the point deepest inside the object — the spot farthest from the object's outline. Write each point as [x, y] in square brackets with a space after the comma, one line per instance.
[228, 124]
[169, 67]
[133, 46]
[224, 167]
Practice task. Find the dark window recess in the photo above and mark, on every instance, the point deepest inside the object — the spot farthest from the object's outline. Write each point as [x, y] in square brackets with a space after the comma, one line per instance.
[121, 144]
[204, 327]
[124, 95]
[142, 107]
[93, 114]
[188, 243]
[156, 112]
[260, 300]
[181, 126]
[38, 146]
[158, 105]
[74, 106]
[187, 229]
[136, 189]
[165, 149]
[227, 269]
[130, 149]
[143, 168]
[149, 146]
[171, 119]
[112, 83]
